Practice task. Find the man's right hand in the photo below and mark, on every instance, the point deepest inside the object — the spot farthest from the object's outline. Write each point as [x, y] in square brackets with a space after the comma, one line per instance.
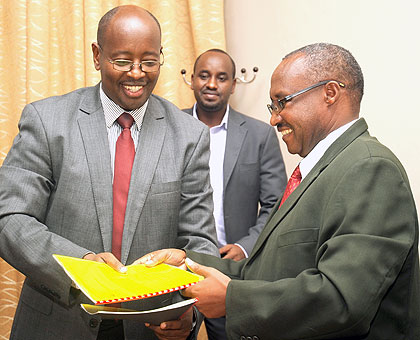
[174, 257]
[107, 258]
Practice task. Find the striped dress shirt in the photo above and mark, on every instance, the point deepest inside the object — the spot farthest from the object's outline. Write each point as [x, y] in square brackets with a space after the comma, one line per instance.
[112, 111]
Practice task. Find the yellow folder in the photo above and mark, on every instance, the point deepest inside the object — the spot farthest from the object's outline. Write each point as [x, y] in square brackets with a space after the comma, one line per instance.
[102, 284]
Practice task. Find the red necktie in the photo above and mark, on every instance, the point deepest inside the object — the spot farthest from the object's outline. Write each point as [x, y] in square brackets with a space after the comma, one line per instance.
[124, 158]
[292, 184]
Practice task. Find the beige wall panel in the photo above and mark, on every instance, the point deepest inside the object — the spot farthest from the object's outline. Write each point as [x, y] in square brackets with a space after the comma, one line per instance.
[382, 35]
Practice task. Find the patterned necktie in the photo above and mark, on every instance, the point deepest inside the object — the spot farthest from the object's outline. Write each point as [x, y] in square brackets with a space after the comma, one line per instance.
[292, 184]
[124, 158]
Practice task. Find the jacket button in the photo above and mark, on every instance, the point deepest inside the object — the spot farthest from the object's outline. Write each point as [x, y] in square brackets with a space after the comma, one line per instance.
[255, 338]
[243, 338]
[93, 323]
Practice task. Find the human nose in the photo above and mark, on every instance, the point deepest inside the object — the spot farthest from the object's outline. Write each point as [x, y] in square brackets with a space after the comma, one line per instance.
[212, 83]
[275, 118]
[136, 72]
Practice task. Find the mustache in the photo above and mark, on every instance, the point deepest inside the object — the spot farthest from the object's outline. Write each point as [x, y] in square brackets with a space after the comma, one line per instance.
[281, 126]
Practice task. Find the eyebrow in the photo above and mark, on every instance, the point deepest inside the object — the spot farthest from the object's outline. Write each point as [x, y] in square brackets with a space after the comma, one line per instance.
[280, 95]
[145, 54]
[218, 73]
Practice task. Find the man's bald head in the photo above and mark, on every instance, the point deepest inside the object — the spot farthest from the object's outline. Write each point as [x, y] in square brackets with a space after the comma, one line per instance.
[120, 10]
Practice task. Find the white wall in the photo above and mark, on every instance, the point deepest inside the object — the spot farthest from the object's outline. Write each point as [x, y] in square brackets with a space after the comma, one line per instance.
[383, 35]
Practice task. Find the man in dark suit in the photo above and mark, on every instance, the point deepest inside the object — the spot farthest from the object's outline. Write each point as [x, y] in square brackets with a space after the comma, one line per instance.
[58, 185]
[246, 165]
[338, 257]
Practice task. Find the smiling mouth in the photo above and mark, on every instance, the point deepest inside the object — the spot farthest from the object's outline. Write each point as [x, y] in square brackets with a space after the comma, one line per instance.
[286, 132]
[133, 88]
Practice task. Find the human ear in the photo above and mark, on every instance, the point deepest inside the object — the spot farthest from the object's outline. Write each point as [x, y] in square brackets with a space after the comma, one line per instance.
[95, 52]
[233, 86]
[332, 92]
[191, 85]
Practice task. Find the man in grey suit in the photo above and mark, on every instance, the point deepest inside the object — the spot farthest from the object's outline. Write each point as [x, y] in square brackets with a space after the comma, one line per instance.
[338, 257]
[56, 192]
[246, 165]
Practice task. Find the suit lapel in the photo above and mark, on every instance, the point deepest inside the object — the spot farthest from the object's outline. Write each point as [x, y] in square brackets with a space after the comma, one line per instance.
[95, 140]
[236, 133]
[277, 215]
[148, 151]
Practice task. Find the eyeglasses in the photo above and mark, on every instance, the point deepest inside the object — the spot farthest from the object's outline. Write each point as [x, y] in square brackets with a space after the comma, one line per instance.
[281, 103]
[146, 66]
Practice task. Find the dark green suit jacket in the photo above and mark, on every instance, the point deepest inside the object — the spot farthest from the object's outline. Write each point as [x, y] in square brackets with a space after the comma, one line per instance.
[339, 259]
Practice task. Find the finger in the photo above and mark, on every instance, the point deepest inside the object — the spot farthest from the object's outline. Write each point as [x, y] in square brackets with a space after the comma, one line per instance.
[198, 268]
[238, 257]
[174, 325]
[154, 258]
[171, 329]
[154, 328]
[150, 258]
[92, 257]
[174, 257]
[224, 249]
[113, 262]
[107, 258]
[234, 253]
[187, 292]
[229, 255]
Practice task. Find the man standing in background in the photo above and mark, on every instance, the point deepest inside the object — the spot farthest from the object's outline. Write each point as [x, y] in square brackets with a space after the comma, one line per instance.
[246, 165]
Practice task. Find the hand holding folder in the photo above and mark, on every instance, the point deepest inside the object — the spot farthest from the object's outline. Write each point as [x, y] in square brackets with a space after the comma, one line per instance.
[103, 285]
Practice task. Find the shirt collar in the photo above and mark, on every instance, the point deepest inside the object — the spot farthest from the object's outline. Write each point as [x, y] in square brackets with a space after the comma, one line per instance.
[223, 123]
[307, 163]
[112, 111]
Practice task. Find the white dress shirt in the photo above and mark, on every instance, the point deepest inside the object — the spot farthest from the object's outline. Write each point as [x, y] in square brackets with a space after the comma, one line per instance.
[307, 163]
[217, 154]
[112, 111]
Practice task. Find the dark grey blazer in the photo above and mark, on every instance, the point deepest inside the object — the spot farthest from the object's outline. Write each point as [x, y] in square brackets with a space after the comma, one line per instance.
[253, 175]
[338, 260]
[56, 197]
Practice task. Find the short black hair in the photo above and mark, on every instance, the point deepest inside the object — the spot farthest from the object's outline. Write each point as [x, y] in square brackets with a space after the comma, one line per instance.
[328, 61]
[218, 51]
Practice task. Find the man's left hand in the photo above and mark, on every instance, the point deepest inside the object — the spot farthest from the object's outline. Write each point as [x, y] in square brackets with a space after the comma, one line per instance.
[232, 251]
[177, 329]
[211, 292]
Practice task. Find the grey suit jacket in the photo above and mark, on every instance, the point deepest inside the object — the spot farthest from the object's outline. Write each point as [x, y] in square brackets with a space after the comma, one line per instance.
[56, 197]
[253, 176]
[339, 259]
